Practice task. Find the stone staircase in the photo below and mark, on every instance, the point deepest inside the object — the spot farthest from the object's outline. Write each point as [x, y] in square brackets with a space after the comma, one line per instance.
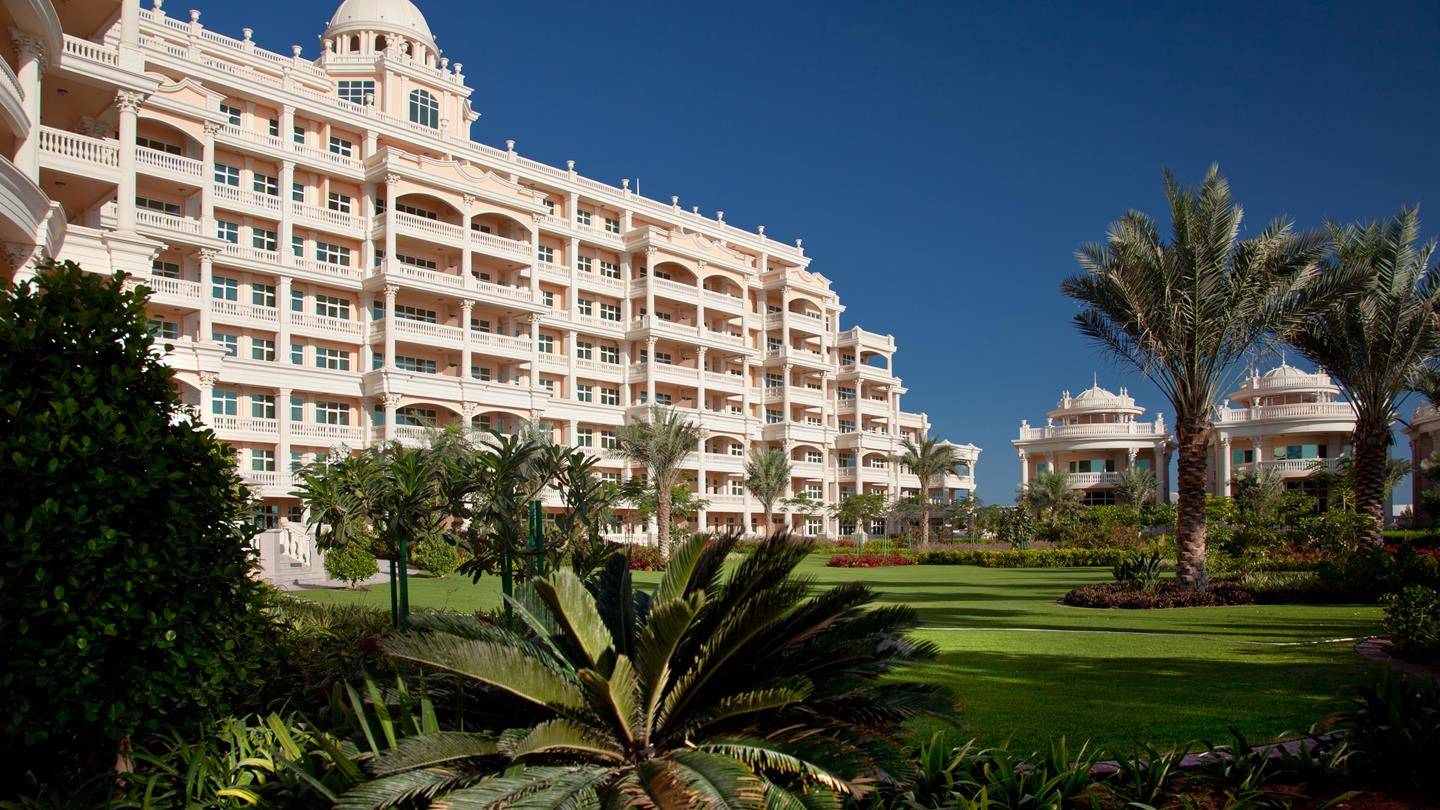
[289, 558]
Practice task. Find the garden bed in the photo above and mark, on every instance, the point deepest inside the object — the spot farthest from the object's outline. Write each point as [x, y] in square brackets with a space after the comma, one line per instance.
[1165, 594]
[867, 560]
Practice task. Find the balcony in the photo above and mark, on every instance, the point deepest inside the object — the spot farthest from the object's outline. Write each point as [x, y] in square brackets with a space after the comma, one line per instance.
[724, 462]
[1091, 479]
[235, 196]
[252, 426]
[233, 133]
[168, 223]
[169, 290]
[164, 164]
[1301, 410]
[724, 501]
[1295, 467]
[254, 254]
[350, 435]
[423, 332]
[1102, 431]
[271, 484]
[87, 51]
[306, 322]
[491, 244]
[351, 274]
[74, 153]
[326, 218]
[235, 310]
[664, 286]
[512, 346]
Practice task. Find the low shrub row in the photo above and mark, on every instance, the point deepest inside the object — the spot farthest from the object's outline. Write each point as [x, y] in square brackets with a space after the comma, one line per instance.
[866, 560]
[1026, 558]
[1163, 594]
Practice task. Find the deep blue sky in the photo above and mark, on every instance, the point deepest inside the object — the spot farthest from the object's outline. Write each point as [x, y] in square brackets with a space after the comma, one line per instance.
[943, 160]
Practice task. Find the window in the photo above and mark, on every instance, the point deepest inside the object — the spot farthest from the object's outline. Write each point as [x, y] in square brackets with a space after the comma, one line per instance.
[158, 205]
[585, 307]
[547, 344]
[609, 396]
[737, 449]
[229, 231]
[1092, 465]
[549, 206]
[418, 365]
[262, 460]
[424, 109]
[297, 191]
[480, 324]
[224, 403]
[377, 361]
[813, 457]
[585, 264]
[1242, 457]
[299, 134]
[297, 354]
[229, 340]
[297, 300]
[262, 406]
[584, 349]
[612, 225]
[158, 146]
[610, 312]
[774, 380]
[224, 288]
[772, 416]
[274, 128]
[333, 359]
[409, 313]
[609, 269]
[546, 254]
[406, 208]
[610, 354]
[332, 254]
[339, 202]
[419, 417]
[547, 384]
[331, 413]
[412, 261]
[262, 349]
[355, 90]
[162, 269]
[480, 373]
[227, 175]
[297, 246]
[165, 330]
[265, 184]
[608, 440]
[547, 298]
[332, 306]
[584, 392]
[340, 146]
[262, 295]
[262, 239]
[231, 112]
[663, 358]
[585, 437]
[1142, 463]
[772, 344]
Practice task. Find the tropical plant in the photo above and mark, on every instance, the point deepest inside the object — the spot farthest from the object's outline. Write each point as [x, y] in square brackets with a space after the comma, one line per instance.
[1049, 497]
[127, 599]
[1375, 344]
[860, 510]
[1256, 490]
[351, 564]
[1186, 311]
[715, 691]
[1139, 570]
[1135, 487]
[1339, 480]
[435, 556]
[929, 460]
[660, 444]
[767, 476]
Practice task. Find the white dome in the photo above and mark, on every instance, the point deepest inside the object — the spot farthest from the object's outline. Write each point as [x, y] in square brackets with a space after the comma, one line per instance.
[394, 16]
[1097, 396]
[1285, 371]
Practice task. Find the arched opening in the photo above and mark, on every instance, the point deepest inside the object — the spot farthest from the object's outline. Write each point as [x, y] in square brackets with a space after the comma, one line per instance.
[381, 43]
[354, 43]
[162, 136]
[428, 206]
[804, 306]
[676, 272]
[503, 422]
[409, 49]
[720, 283]
[500, 224]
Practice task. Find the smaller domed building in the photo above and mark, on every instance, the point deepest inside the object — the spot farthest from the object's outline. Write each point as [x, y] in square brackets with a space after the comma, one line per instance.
[1092, 437]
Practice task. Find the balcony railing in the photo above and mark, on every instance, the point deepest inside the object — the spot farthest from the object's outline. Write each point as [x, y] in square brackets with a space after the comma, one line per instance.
[340, 325]
[499, 341]
[245, 196]
[427, 330]
[166, 162]
[73, 145]
[169, 222]
[1107, 429]
[244, 424]
[1299, 410]
[511, 247]
[1087, 479]
[178, 288]
[317, 430]
[236, 309]
[90, 51]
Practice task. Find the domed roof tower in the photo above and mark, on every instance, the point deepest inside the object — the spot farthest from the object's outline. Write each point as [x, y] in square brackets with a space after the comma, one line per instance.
[376, 26]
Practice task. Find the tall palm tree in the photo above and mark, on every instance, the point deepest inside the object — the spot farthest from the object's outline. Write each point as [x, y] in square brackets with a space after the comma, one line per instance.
[1134, 487]
[929, 460]
[1049, 496]
[738, 690]
[1187, 310]
[661, 444]
[767, 475]
[1375, 344]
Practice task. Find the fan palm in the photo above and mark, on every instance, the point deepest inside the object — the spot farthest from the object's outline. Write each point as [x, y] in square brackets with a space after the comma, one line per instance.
[1049, 496]
[1134, 487]
[1375, 344]
[1187, 310]
[660, 444]
[767, 476]
[744, 691]
[929, 460]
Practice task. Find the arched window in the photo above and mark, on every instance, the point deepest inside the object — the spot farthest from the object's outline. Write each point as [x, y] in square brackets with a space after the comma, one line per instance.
[381, 43]
[354, 43]
[424, 109]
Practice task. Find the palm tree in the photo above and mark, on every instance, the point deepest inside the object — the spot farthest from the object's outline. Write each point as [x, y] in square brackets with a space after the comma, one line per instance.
[1134, 487]
[1375, 344]
[929, 460]
[1187, 310]
[660, 444]
[1255, 490]
[1049, 496]
[745, 690]
[767, 476]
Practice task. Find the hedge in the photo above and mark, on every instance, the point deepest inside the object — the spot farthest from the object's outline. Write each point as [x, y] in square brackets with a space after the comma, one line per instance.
[1027, 558]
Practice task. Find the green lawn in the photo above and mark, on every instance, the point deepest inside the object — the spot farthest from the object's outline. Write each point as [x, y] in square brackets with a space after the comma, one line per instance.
[1024, 666]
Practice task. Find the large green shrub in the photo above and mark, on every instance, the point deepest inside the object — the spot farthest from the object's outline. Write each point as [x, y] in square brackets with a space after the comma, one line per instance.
[351, 564]
[435, 556]
[126, 601]
[1412, 620]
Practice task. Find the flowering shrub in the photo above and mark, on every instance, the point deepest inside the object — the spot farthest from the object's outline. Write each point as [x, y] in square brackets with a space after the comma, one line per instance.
[644, 558]
[867, 560]
[1027, 558]
[1166, 594]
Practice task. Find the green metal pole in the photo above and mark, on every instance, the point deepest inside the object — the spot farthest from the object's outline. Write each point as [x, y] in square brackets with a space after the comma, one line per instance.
[394, 598]
[404, 588]
[507, 585]
[537, 536]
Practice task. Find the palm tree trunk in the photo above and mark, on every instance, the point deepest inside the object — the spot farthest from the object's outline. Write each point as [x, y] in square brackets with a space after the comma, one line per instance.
[769, 522]
[662, 517]
[1190, 519]
[924, 518]
[1372, 446]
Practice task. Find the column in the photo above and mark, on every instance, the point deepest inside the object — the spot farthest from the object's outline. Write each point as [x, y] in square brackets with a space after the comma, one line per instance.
[128, 105]
[650, 282]
[287, 127]
[570, 341]
[466, 308]
[534, 348]
[207, 390]
[287, 213]
[282, 422]
[1024, 470]
[367, 219]
[392, 405]
[624, 373]
[207, 182]
[1162, 476]
[535, 257]
[700, 382]
[390, 291]
[283, 313]
[367, 317]
[392, 189]
[31, 52]
[650, 371]
[785, 372]
[207, 286]
[1222, 483]
[701, 516]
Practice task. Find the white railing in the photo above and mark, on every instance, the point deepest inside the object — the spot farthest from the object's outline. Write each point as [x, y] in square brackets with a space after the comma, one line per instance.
[724, 379]
[157, 219]
[315, 266]
[164, 161]
[424, 274]
[665, 284]
[513, 247]
[245, 424]
[250, 135]
[1091, 478]
[499, 341]
[73, 145]
[552, 271]
[238, 310]
[179, 288]
[506, 291]
[245, 196]
[317, 430]
[296, 544]
[1299, 410]
[267, 479]
[596, 365]
[428, 330]
[1294, 465]
[342, 325]
[433, 227]
[252, 253]
[9, 77]
[1102, 429]
[724, 499]
[92, 51]
[338, 219]
[724, 336]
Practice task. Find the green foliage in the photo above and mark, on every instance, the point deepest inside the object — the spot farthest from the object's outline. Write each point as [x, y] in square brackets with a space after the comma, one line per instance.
[1412, 620]
[1393, 726]
[716, 690]
[126, 600]
[1015, 526]
[351, 564]
[860, 509]
[314, 647]
[767, 476]
[1370, 572]
[660, 443]
[1139, 570]
[996, 778]
[1026, 558]
[435, 556]
[1049, 497]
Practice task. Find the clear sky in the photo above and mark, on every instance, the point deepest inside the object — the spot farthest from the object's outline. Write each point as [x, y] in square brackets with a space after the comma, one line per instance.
[942, 160]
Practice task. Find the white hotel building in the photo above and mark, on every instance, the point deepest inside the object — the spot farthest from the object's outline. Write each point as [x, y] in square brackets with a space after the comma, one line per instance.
[337, 263]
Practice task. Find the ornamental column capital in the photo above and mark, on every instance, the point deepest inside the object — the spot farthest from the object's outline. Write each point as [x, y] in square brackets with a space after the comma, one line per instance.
[466, 305]
[392, 179]
[390, 291]
[390, 400]
[30, 46]
[208, 254]
[213, 127]
[130, 100]
[207, 379]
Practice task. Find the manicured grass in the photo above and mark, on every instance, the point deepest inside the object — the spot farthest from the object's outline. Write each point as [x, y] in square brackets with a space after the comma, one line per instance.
[1025, 666]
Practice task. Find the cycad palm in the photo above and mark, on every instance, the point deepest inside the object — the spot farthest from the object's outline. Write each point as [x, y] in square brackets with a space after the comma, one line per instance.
[660, 444]
[744, 691]
[767, 475]
[929, 460]
[1375, 344]
[1187, 310]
